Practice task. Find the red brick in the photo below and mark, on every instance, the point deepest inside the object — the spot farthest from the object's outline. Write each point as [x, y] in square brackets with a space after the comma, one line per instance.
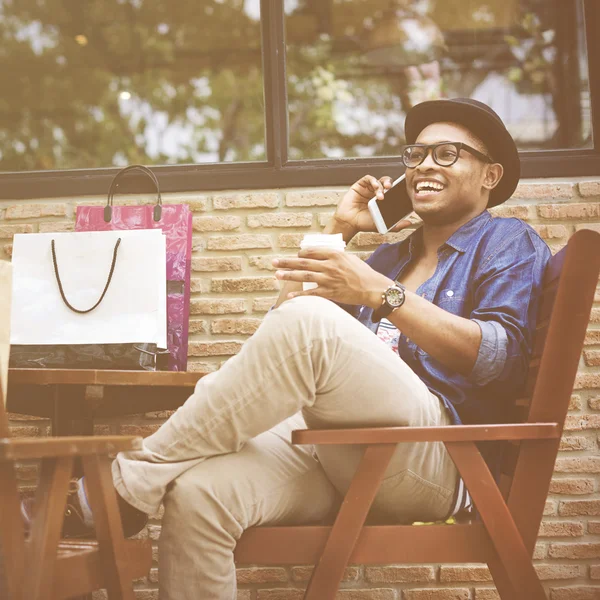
[196, 203]
[210, 263]
[101, 429]
[595, 572]
[239, 326]
[244, 595]
[575, 593]
[212, 223]
[575, 403]
[589, 188]
[592, 336]
[569, 210]
[580, 422]
[437, 594]
[587, 381]
[280, 594]
[281, 220]
[560, 528]
[261, 575]
[201, 368]
[571, 508]
[575, 442]
[576, 551]
[486, 594]
[314, 198]
[143, 595]
[592, 358]
[303, 573]
[56, 226]
[540, 551]
[372, 594]
[572, 487]
[543, 190]
[289, 240]
[594, 527]
[594, 403]
[245, 284]
[198, 326]
[550, 508]
[466, 573]
[375, 239]
[550, 572]
[242, 241]
[264, 304]
[35, 211]
[583, 464]
[399, 574]
[214, 348]
[214, 306]
[549, 232]
[241, 200]
[264, 262]
[595, 315]
[8, 231]
[26, 431]
[143, 430]
[589, 226]
[517, 211]
[324, 218]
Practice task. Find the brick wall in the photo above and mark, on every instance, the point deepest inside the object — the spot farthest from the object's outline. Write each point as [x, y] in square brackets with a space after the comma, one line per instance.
[236, 234]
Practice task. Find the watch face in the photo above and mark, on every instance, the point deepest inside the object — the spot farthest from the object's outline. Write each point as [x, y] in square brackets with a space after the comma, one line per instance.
[394, 296]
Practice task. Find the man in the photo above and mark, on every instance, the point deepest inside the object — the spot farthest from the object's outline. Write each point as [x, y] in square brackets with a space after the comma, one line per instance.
[459, 299]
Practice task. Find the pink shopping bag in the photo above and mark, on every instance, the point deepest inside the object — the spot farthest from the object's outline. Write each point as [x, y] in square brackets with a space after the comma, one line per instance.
[175, 220]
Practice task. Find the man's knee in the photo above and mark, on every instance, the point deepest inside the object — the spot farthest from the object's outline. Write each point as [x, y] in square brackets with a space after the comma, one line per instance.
[305, 309]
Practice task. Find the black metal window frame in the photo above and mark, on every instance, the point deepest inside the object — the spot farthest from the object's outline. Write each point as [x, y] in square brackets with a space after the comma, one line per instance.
[278, 171]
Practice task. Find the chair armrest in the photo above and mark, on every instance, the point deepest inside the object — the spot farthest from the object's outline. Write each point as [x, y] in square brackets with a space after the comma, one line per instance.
[448, 433]
[54, 447]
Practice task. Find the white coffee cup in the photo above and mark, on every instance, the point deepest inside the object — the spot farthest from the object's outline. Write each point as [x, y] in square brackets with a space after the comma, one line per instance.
[333, 241]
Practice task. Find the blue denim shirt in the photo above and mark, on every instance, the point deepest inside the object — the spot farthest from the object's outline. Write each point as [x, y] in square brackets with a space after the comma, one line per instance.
[489, 271]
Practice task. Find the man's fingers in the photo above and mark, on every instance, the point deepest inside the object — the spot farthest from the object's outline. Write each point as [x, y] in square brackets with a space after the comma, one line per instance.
[400, 225]
[386, 182]
[299, 276]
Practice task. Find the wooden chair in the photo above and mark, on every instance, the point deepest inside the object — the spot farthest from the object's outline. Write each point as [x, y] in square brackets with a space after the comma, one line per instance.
[510, 510]
[41, 567]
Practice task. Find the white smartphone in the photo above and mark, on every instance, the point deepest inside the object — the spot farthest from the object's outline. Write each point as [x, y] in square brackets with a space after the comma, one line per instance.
[395, 206]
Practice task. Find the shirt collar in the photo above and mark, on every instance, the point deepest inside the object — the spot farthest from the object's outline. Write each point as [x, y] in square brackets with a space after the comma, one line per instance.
[459, 240]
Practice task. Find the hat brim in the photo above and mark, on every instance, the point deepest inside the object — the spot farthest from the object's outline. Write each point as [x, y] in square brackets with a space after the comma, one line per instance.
[482, 124]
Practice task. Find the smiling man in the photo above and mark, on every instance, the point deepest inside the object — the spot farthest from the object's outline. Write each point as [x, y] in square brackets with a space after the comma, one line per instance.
[437, 330]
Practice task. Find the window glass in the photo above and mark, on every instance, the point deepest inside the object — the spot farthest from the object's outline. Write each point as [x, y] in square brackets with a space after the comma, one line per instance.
[99, 83]
[356, 66]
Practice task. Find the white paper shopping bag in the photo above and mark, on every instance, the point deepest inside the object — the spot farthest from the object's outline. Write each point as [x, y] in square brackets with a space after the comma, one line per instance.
[59, 277]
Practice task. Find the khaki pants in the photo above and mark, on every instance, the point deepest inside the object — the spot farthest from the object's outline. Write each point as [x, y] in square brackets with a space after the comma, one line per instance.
[223, 462]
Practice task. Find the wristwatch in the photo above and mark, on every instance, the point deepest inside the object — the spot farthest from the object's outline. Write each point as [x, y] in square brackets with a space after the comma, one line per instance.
[392, 298]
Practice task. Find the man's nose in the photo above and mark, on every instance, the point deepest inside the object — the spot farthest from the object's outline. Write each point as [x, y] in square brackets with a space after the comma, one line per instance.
[428, 163]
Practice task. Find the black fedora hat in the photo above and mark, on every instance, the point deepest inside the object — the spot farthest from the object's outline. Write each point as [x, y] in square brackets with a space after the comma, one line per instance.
[484, 123]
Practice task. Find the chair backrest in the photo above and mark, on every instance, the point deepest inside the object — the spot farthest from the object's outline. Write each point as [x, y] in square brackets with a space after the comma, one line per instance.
[568, 293]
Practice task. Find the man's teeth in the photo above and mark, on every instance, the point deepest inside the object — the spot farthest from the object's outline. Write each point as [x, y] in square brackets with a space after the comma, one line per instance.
[429, 186]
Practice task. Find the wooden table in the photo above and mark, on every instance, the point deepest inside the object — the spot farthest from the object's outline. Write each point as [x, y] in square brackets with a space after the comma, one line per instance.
[60, 395]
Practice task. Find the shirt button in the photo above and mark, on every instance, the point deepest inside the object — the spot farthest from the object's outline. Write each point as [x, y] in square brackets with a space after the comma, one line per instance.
[450, 293]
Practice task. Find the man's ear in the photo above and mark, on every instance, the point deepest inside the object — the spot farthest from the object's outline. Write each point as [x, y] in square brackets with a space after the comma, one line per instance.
[493, 176]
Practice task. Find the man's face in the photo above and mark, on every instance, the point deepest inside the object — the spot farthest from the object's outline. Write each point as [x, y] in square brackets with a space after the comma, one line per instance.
[462, 194]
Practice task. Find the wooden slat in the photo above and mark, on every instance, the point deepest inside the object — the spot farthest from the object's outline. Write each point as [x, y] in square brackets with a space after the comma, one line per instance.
[450, 433]
[512, 553]
[79, 567]
[329, 570]
[102, 377]
[32, 448]
[377, 544]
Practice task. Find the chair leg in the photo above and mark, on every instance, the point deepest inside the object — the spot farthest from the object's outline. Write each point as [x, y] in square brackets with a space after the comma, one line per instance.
[109, 529]
[328, 572]
[50, 501]
[501, 580]
[498, 520]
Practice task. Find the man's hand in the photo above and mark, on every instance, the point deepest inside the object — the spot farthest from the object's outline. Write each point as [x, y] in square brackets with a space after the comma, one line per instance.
[340, 276]
[352, 214]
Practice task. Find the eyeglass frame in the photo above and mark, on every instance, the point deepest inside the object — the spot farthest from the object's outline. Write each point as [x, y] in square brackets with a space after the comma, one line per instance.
[458, 145]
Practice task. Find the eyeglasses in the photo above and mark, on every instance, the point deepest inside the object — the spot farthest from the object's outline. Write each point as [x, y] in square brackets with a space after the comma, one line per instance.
[444, 154]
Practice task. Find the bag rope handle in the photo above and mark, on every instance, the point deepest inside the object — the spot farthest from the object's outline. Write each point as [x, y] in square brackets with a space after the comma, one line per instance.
[60, 287]
[114, 183]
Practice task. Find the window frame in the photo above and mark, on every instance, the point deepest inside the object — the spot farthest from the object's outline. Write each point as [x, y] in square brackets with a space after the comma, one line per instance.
[278, 171]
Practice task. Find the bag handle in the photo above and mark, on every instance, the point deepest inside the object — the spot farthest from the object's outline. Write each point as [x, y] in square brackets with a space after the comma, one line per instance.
[114, 184]
[60, 287]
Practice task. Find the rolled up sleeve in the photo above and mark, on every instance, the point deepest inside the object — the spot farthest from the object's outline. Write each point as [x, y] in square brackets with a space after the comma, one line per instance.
[491, 357]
